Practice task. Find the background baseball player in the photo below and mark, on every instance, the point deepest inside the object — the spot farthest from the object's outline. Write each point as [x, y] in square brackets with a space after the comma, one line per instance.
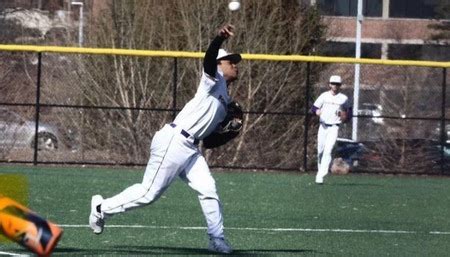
[175, 151]
[333, 108]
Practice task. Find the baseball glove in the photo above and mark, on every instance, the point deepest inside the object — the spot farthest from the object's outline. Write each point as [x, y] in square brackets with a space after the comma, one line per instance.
[342, 115]
[228, 129]
[233, 120]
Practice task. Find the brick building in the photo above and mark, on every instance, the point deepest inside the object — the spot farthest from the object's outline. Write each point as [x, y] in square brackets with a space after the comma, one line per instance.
[391, 29]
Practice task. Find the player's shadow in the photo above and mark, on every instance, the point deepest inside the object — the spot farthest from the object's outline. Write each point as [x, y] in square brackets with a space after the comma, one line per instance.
[171, 251]
[354, 185]
[164, 250]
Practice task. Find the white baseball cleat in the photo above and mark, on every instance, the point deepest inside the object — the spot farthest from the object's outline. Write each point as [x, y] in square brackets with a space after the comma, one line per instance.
[319, 181]
[96, 219]
[219, 245]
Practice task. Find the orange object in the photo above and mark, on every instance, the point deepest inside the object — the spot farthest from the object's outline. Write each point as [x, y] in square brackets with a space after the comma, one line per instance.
[28, 229]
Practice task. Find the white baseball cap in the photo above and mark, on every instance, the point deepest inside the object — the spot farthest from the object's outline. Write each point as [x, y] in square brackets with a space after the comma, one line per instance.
[224, 55]
[335, 79]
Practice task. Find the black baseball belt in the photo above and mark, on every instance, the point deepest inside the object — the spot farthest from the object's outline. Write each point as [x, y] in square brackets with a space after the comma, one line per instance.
[185, 133]
[330, 125]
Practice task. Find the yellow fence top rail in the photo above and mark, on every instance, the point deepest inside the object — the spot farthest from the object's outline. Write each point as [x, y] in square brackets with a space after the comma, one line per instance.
[181, 54]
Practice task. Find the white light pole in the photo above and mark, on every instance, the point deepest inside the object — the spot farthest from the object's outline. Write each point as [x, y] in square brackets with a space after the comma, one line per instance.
[359, 20]
[80, 24]
[80, 44]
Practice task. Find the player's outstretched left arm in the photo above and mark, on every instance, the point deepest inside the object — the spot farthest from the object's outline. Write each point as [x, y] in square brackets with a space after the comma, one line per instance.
[228, 129]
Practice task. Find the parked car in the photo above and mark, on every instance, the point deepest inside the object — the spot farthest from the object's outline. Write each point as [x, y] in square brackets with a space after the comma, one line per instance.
[374, 110]
[16, 131]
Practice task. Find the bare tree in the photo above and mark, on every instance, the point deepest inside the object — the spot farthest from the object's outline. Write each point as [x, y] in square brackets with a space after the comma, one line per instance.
[275, 26]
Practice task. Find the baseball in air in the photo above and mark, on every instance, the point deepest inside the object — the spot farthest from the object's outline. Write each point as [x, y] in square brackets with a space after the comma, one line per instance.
[234, 5]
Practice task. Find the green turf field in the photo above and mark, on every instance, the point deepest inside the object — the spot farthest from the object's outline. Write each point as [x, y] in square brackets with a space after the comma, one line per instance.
[265, 214]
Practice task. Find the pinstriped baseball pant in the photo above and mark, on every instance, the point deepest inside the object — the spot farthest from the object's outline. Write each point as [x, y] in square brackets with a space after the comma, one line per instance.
[326, 138]
[172, 155]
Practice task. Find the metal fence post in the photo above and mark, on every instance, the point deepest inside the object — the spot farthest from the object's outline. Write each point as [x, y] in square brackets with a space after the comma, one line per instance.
[443, 127]
[307, 117]
[174, 92]
[37, 108]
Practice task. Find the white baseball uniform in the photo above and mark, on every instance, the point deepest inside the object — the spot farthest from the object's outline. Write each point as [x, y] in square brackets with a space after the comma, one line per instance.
[329, 105]
[175, 152]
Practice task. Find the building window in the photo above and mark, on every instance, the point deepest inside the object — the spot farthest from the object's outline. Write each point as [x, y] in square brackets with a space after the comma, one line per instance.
[422, 9]
[371, 8]
[419, 52]
[347, 49]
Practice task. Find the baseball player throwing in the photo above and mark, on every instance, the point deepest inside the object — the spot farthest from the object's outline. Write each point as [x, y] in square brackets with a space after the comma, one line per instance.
[333, 108]
[175, 151]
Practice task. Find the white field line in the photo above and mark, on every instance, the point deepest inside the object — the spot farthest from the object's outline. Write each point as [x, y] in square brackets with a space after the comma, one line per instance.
[440, 233]
[13, 254]
[381, 231]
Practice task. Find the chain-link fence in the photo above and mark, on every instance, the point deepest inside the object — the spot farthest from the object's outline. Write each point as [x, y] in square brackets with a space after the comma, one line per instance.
[103, 109]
